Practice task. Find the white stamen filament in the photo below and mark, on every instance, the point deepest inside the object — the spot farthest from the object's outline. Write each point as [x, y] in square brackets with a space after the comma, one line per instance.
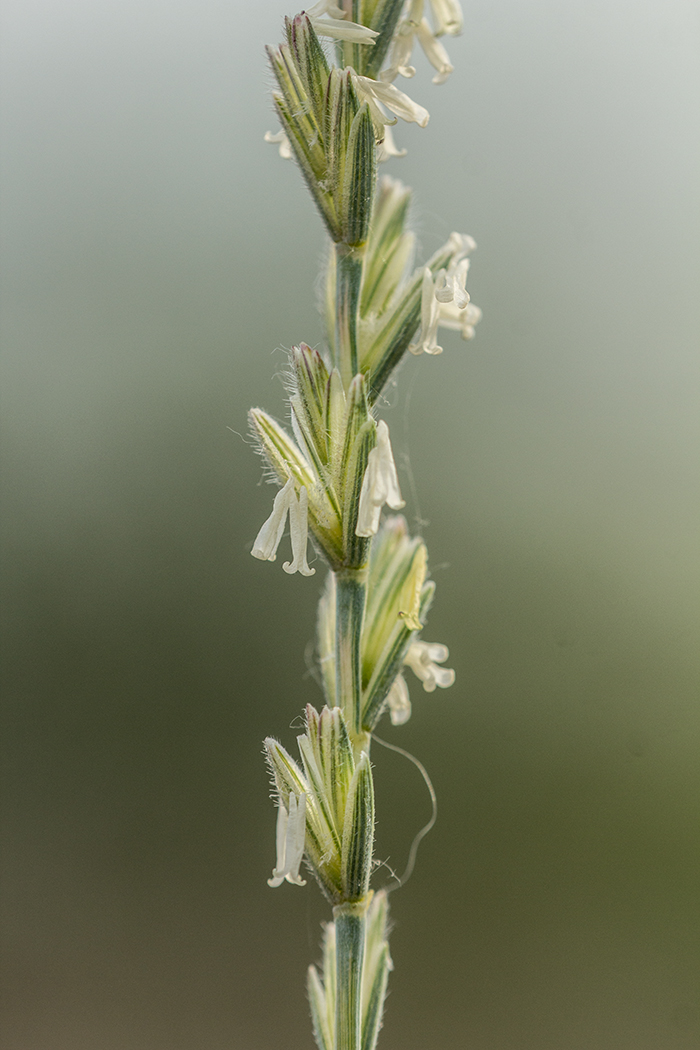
[399, 702]
[434, 52]
[445, 300]
[291, 836]
[325, 7]
[387, 147]
[380, 485]
[448, 17]
[450, 285]
[343, 30]
[427, 341]
[280, 138]
[462, 321]
[423, 659]
[298, 530]
[268, 539]
[378, 94]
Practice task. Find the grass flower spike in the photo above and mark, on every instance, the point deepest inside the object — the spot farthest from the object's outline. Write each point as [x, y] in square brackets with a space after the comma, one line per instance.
[334, 468]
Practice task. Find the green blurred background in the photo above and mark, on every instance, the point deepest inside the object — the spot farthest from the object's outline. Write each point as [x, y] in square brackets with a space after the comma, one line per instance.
[156, 254]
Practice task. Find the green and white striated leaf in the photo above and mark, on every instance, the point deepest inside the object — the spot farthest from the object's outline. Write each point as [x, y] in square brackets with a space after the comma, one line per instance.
[374, 1003]
[357, 547]
[340, 107]
[336, 760]
[319, 1012]
[358, 833]
[382, 16]
[298, 105]
[377, 963]
[390, 247]
[280, 451]
[335, 413]
[311, 384]
[316, 783]
[328, 303]
[305, 157]
[326, 639]
[390, 663]
[358, 441]
[310, 60]
[329, 971]
[358, 179]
